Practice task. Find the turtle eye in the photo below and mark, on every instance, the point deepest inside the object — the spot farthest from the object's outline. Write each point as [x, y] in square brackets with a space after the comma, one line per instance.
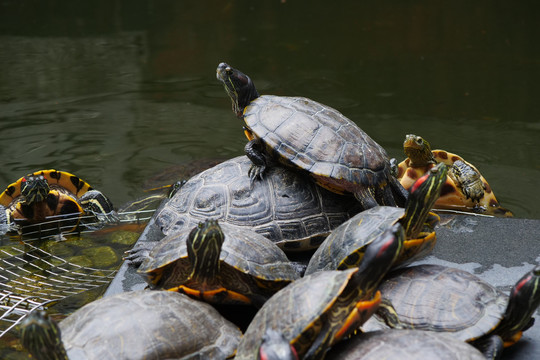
[228, 70]
[243, 79]
[419, 140]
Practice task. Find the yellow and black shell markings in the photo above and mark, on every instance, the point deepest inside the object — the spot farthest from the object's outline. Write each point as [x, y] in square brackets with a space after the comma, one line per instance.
[57, 203]
[54, 198]
[70, 182]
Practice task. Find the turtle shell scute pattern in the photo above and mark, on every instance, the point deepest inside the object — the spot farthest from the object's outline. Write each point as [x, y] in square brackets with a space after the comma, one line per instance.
[353, 235]
[439, 298]
[246, 251]
[296, 214]
[295, 311]
[104, 328]
[404, 345]
[320, 140]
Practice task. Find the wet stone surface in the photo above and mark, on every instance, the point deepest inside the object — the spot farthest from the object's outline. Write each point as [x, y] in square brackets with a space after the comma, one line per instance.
[497, 250]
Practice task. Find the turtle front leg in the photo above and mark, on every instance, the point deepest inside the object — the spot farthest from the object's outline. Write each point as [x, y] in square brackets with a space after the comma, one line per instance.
[95, 203]
[139, 253]
[254, 150]
[366, 198]
[491, 346]
[400, 194]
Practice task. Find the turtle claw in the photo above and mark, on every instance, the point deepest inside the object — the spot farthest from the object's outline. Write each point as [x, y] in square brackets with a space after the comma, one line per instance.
[136, 256]
[256, 172]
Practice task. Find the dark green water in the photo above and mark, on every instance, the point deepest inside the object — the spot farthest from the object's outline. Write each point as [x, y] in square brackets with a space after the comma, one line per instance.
[117, 91]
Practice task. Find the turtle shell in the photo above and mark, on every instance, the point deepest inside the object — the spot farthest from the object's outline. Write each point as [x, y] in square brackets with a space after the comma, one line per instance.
[148, 325]
[344, 247]
[284, 206]
[439, 298]
[250, 265]
[62, 199]
[318, 310]
[475, 196]
[404, 345]
[56, 179]
[319, 139]
[296, 312]
[67, 200]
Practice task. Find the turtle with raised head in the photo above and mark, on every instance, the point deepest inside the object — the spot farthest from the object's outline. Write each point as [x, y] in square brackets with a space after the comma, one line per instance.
[465, 189]
[318, 310]
[445, 299]
[313, 137]
[219, 263]
[345, 246]
[55, 199]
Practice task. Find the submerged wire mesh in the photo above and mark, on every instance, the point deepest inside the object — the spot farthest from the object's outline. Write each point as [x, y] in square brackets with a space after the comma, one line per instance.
[32, 278]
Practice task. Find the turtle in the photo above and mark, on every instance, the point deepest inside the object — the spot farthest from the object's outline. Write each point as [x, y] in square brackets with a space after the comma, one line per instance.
[219, 263]
[404, 345]
[48, 195]
[133, 325]
[465, 189]
[318, 310]
[285, 206]
[314, 138]
[445, 299]
[345, 246]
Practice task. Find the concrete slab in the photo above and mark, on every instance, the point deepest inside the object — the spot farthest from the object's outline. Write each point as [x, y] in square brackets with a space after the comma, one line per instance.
[497, 250]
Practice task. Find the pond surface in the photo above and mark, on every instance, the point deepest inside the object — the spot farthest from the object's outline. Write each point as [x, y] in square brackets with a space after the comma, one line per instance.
[118, 91]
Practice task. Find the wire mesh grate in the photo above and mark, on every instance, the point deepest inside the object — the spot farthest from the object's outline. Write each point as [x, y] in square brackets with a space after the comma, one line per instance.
[32, 278]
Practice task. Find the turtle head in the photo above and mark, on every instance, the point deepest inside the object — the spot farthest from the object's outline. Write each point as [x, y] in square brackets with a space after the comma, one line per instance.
[40, 335]
[418, 151]
[176, 187]
[204, 248]
[423, 194]
[274, 346]
[379, 257]
[34, 188]
[238, 85]
[523, 301]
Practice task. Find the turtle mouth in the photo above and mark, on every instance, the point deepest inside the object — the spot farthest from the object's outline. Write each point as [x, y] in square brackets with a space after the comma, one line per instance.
[223, 72]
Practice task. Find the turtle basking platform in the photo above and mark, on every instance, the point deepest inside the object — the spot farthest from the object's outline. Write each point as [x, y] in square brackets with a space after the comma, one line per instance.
[498, 250]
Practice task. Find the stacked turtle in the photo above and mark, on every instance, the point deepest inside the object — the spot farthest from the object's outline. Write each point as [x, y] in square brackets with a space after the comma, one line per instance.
[228, 232]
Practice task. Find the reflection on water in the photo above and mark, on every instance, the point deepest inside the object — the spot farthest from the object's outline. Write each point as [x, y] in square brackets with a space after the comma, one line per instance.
[118, 91]
[120, 99]
[116, 96]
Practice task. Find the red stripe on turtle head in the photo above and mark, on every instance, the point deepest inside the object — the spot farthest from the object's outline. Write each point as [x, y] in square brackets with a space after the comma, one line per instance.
[419, 182]
[521, 284]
